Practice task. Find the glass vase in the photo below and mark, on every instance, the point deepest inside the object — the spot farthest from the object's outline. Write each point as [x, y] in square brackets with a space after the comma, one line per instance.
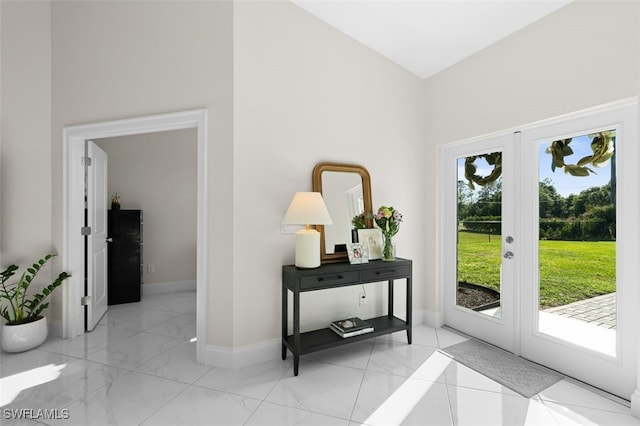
[389, 249]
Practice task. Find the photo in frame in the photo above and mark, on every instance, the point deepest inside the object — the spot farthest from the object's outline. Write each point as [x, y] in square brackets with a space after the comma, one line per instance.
[371, 238]
[357, 253]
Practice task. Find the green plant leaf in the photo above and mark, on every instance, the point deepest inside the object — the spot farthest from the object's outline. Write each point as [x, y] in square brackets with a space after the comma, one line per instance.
[20, 308]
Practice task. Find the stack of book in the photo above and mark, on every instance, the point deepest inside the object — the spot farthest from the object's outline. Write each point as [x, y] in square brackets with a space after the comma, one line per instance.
[351, 327]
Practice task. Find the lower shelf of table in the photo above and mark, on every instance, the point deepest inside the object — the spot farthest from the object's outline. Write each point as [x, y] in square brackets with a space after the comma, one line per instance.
[318, 340]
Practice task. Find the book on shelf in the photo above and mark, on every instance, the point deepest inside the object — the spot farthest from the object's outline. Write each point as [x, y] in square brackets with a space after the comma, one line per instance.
[349, 327]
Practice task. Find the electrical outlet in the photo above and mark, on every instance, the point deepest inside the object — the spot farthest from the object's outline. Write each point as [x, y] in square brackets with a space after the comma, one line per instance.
[362, 299]
[151, 269]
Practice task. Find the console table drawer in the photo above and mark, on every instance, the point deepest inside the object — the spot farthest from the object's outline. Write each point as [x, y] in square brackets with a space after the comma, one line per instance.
[335, 279]
[386, 273]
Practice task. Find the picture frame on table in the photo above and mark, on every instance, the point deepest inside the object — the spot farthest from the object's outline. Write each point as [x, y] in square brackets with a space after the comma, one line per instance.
[357, 253]
[372, 239]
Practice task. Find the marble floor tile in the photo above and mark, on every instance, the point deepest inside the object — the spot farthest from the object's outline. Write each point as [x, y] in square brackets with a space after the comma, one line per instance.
[71, 380]
[14, 363]
[133, 351]
[582, 416]
[355, 355]
[199, 406]
[398, 358]
[447, 337]
[182, 326]
[320, 388]
[566, 392]
[128, 400]
[183, 302]
[269, 414]
[420, 335]
[139, 320]
[474, 407]
[120, 375]
[255, 381]
[100, 337]
[177, 363]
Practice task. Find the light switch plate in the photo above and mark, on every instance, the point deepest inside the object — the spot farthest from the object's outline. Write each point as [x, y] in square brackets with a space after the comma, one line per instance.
[287, 228]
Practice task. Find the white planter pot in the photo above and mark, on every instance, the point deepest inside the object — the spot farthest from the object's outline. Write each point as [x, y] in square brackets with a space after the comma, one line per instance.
[19, 338]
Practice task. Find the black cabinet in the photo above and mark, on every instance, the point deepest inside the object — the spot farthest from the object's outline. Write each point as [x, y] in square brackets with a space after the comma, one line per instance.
[333, 275]
[125, 256]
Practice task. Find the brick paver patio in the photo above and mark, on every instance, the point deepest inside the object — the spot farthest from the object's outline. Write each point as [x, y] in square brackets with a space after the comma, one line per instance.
[600, 310]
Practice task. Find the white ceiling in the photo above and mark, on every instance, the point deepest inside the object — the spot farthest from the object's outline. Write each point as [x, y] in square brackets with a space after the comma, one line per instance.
[427, 36]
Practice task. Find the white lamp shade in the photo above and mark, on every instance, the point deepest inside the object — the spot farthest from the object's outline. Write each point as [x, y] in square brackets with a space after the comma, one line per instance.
[307, 208]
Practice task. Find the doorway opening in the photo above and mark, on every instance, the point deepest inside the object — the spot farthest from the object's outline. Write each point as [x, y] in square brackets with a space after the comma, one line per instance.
[73, 208]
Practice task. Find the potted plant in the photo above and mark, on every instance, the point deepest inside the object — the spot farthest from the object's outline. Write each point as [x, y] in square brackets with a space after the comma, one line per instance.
[388, 220]
[358, 222]
[26, 328]
[115, 202]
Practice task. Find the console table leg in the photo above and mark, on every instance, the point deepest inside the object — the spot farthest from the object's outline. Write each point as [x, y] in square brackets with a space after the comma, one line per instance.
[390, 299]
[285, 320]
[296, 332]
[409, 309]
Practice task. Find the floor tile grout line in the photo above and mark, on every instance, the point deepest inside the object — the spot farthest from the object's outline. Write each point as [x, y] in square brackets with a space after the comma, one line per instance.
[170, 400]
[364, 375]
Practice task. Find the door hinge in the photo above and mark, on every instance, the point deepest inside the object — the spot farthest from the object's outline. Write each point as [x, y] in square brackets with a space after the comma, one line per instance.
[85, 230]
[84, 300]
[86, 161]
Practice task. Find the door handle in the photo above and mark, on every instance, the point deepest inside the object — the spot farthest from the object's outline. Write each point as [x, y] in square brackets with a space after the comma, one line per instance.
[508, 255]
[109, 240]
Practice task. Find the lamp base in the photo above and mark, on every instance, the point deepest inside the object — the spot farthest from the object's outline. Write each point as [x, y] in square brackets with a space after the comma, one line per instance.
[307, 248]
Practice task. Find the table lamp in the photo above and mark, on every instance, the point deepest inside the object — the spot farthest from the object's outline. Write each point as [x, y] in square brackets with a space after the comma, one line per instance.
[307, 208]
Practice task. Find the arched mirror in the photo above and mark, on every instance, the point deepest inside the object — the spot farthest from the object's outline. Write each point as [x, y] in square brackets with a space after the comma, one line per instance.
[346, 190]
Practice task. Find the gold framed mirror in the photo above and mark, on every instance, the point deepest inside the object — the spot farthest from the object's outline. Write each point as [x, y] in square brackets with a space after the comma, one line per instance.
[346, 190]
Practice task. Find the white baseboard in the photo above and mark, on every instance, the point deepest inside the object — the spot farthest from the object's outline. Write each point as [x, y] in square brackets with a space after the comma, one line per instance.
[635, 404]
[244, 356]
[55, 328]
[168, 287]
[433, 319]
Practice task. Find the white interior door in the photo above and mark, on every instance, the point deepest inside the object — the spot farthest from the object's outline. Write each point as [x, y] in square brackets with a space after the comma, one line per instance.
[97, 240]
[479, 247]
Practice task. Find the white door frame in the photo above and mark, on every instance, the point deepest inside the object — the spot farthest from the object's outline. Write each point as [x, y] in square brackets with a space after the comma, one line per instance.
[72, 256]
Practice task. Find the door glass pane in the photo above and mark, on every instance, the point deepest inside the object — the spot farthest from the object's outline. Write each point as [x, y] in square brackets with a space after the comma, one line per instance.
[577, 240]
[479, 216]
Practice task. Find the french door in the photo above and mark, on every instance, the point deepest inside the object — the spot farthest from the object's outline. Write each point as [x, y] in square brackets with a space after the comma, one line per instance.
[540, 257]
[475, 260]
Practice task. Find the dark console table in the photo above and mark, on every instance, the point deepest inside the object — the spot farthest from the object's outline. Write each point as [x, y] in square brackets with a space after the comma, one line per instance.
[333, 275]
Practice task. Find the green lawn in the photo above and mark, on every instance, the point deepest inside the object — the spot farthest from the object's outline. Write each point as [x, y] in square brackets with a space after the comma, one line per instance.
[569, 270]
